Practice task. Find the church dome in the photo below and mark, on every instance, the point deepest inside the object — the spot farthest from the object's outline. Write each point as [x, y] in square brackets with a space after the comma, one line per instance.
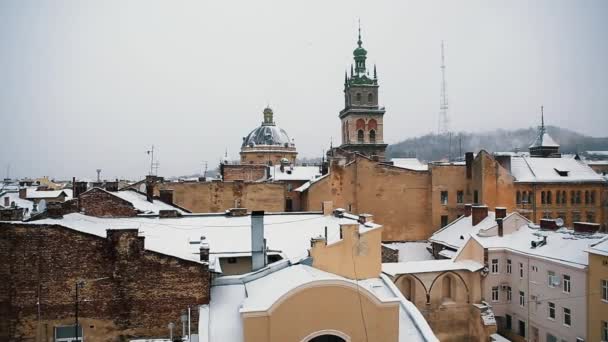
[268, 134]
[360, 52]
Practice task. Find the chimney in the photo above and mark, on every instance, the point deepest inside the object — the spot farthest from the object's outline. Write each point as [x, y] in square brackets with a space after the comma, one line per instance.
[204, 250]
[22, 193]
[467, 210]
[468, 158]
[78, 188]
[237, 212]
[7, 201]
[501, 212]
[500, 226]
[480, 212]
[548, 224]
[586, 227]
[111, 186]
[258, 243]
[365, 218]
[328, 208]
[166, 195]
[168, 213]
[150, 180]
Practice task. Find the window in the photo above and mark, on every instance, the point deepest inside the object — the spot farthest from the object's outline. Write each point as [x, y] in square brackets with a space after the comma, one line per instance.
[494, 266]
[495, 293]
[551, 278]
[543, 198]
[572, 197]
[475, 197]
[592, 197]
[509, 266]
[549, 199]
[576, 216]
[567, 317]
[564, 201]
[604, 331]
[521, 270]
[551, 310]
[551, 338]
[518, 197]
[522, 299]
[509, 322]
[605, 290]
[444, 220]
[566, 283]
[444, 197]
[522, 329]
[360, 136]
[509, 293]
[372, 136]
[370, 98]
[358, 97]
[591, 217]
[460, 197]
[558, 197]
[534, 268]
[586, 197]
[578, 197]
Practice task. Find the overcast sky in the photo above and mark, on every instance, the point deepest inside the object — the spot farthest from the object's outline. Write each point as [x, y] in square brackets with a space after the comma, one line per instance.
[92, 84]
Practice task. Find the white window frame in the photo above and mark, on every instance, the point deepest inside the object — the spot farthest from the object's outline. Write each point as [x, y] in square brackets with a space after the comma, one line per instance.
[566, 283]
[441, 198]
[605, 290]
[550, 276]
[495, 266]
[522, 299]
[604, 331]
[569, 315]
[495, 296]
[509, 293]
[509, 269]
[551, 309]
[521, 270]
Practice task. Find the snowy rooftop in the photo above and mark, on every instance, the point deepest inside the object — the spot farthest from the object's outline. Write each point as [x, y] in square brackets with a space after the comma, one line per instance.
[598, 153]
[410, 163]
[229, 301]
[426, 266]
[411, 251]
[180, 237]
[141, 203]
[544, 140]
[456, 234]
[306, 185]
[599, 247]
[563, 246]
[554, 170]
[294, 173]
[32, 193]
[14, 197]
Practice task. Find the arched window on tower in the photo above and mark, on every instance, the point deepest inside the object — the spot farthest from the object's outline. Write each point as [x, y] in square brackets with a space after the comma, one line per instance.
[360, 136]
[372, 136]
[358, 96]
[370, 98]
[518, 198]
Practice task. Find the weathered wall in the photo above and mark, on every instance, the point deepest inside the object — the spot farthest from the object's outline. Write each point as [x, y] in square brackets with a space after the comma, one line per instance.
[597, 308]
[450, 178]
[214, 197]
[244, 172]
[493, 182]
[143, 292]
[99, 203]
[263, 155]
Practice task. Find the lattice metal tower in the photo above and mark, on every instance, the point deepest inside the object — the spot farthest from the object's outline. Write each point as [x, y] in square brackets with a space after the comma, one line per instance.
[443, 126]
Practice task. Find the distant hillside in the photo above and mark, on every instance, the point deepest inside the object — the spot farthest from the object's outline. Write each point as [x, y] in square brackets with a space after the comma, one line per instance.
[437, 147]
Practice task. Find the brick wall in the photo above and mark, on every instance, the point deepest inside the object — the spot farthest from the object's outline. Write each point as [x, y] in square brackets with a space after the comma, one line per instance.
[245, 172]
[145, 290]
[100, 203]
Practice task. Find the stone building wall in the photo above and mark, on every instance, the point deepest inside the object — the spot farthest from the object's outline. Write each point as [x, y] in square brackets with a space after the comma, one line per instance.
[450, 178]
[244, 172]
[216, 196]
[99, 203]
[143, 292]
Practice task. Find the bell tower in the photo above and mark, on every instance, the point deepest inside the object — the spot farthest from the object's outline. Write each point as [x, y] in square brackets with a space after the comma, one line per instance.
[362, 117]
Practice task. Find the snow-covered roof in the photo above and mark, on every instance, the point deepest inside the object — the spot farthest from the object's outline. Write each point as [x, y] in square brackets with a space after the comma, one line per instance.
[33, 193]
[180, 237]
[425, 266]
[598, 153]
[411, 251]
[259, 294]
[544, 140]
[294, 173]
[456, 234]
[599, 247]
[563, 246]
[552, 170]
[141, 203]
[307, 185]
[410, 163]
[14, 197]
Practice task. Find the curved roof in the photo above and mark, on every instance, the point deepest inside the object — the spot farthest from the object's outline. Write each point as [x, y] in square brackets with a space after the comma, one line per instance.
[267, 135]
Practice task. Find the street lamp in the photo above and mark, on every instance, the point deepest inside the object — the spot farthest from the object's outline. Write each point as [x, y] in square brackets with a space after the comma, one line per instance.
[79, 285]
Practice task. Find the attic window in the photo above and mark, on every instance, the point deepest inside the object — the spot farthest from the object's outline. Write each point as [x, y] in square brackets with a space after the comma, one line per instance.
[563, 173]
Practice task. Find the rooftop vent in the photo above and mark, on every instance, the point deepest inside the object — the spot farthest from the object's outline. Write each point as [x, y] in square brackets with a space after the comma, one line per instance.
[536, 244]
[562, 173]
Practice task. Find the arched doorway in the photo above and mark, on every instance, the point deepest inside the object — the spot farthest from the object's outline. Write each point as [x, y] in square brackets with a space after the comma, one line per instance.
[327, 338]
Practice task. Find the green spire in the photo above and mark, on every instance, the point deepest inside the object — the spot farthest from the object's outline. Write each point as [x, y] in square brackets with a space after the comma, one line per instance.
[360, 55]
[359, 42]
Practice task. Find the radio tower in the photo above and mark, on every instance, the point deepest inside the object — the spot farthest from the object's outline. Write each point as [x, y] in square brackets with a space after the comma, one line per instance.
[444, 121]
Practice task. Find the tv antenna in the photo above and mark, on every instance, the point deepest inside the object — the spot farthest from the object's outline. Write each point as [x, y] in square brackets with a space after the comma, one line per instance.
[444, 121]
[153, 164]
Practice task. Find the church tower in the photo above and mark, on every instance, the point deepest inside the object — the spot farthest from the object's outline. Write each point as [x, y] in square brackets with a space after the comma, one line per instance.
[362, 118]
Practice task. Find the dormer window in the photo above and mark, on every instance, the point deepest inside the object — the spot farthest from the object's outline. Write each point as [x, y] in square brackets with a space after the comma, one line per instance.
[562, 173]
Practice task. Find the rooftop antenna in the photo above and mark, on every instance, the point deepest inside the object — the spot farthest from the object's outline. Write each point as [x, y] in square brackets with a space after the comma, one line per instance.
[205, 169]
[444, 122]
[98, 175]
[153, 165]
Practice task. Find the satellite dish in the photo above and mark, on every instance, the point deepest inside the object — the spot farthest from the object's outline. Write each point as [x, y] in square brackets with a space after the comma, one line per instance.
[42, 206]
[559, 222]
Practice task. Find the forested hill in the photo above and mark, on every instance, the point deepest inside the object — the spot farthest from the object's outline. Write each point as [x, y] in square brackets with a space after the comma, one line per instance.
[436, 147]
